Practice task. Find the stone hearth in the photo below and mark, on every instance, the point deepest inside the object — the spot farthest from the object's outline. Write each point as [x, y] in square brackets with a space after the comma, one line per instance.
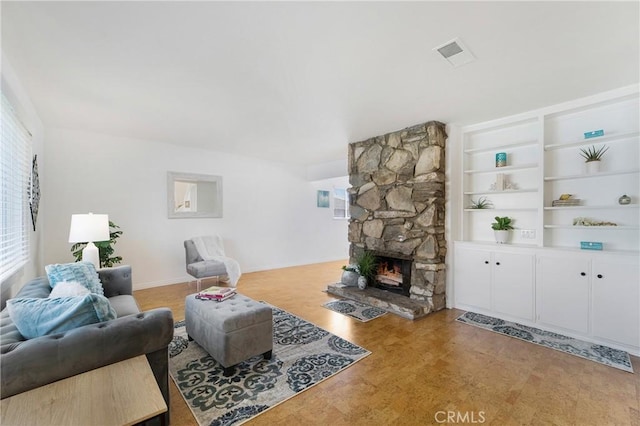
[390, 302]
[397, 208]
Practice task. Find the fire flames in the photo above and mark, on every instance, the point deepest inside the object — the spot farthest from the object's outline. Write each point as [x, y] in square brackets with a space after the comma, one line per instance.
[389, 275]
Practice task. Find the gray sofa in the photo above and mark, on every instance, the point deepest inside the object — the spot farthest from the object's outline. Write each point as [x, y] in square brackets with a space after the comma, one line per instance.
[28, 364]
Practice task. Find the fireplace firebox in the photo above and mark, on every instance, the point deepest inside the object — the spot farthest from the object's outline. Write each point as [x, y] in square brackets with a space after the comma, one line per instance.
[393, 275]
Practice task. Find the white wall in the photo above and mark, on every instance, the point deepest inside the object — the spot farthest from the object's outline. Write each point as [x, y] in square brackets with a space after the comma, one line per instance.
[17, 95]
[270, 218]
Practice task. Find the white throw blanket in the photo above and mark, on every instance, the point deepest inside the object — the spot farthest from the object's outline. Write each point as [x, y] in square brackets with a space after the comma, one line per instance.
[210, 248]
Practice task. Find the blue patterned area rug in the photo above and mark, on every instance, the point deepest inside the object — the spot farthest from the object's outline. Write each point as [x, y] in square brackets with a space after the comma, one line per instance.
[303, 356]
[591, 351]
[354, 309]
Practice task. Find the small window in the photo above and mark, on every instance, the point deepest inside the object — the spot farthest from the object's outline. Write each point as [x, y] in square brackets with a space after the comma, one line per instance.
[340, 203]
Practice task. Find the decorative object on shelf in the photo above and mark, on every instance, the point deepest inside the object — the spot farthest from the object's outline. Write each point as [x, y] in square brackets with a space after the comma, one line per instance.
[482, 203]
[624, 200]
[594, 134]
[501, 228]
[507, 186]
[501, 159]
[585, 221]
[500, 181]
[565, 200]
[593, 156]
[34, 191]
[590, 245]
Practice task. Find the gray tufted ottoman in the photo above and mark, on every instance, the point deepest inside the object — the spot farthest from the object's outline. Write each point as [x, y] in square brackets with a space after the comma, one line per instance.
[231, 331]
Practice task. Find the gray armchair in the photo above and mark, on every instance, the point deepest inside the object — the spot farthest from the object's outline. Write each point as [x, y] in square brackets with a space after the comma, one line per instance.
[200, 268]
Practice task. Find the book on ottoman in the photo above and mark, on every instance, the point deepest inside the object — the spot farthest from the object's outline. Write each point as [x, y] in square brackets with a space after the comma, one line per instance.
[216, 293]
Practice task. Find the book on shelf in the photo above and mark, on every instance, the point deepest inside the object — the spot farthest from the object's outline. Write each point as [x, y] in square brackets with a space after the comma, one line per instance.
[564, 203]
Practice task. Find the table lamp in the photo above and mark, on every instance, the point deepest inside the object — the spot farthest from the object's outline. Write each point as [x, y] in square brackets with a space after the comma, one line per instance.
[89, 228]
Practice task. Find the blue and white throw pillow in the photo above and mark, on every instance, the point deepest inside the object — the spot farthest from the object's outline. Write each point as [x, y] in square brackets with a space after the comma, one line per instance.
[82, 272]
[36, 317]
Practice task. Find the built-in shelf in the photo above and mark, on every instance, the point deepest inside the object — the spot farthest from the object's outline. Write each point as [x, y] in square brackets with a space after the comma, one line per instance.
[593, 141]
[609, 207]
[605, 251]
[493, 243]
[514, 209]
[505, 192]
[503, 169]
[593, 175]
[502, 148]
[543, 148]
[599, 228]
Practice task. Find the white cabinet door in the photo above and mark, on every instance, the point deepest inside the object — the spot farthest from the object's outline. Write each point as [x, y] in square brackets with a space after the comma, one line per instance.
[616, 301]
[472, 277]
[563, 292]
[512, 290]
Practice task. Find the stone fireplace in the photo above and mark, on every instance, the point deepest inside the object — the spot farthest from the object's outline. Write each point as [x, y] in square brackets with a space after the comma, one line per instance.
[397, 203]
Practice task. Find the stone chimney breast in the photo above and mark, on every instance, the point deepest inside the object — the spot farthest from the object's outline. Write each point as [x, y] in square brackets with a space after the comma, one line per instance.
[397, 204]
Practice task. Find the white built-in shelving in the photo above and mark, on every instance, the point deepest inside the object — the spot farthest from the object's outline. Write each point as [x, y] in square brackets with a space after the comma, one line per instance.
[542, 277]
[543, 151]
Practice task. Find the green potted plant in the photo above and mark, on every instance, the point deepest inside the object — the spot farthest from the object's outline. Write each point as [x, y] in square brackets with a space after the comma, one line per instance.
[592, 157]
[362, 271]
[482, 203]
[367, 265]
[501, 228]
[105, 248]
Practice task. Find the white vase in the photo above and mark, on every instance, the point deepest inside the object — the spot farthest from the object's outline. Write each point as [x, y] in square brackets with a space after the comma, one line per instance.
[593, 167]
[349, 278]
[501, 236]
[362, 283]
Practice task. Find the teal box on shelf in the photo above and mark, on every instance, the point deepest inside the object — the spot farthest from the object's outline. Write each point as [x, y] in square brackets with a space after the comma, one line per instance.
[594, 134]
[590, 245]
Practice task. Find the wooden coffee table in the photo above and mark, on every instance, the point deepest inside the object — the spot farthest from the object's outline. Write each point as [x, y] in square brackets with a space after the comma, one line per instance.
[123, 393]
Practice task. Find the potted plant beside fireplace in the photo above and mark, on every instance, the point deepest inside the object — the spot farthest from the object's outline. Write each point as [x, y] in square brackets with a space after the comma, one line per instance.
[501, 228]
[361, 272]
[367, 265]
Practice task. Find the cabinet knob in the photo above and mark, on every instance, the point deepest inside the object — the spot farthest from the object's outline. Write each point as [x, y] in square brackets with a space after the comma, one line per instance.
[486, 262]
[583, 273]
[599, 275]
[497, 263]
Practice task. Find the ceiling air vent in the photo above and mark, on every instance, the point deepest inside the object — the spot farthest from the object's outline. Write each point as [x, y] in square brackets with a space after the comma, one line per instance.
[455, 52]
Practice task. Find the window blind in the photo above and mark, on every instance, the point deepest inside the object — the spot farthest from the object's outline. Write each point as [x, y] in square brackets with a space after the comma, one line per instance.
[15, 155]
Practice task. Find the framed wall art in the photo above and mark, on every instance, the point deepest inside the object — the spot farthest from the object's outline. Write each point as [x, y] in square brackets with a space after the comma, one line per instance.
[323, 199]
[34, 191]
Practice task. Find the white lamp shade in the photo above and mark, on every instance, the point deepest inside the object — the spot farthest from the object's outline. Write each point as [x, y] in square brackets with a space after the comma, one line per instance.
[89, 228]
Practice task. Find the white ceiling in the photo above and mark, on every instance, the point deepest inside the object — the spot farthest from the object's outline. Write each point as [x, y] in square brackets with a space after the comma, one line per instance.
[298, 81]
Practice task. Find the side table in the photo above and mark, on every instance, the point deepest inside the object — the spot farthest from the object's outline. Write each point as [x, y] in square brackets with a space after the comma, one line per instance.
[124, 393]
